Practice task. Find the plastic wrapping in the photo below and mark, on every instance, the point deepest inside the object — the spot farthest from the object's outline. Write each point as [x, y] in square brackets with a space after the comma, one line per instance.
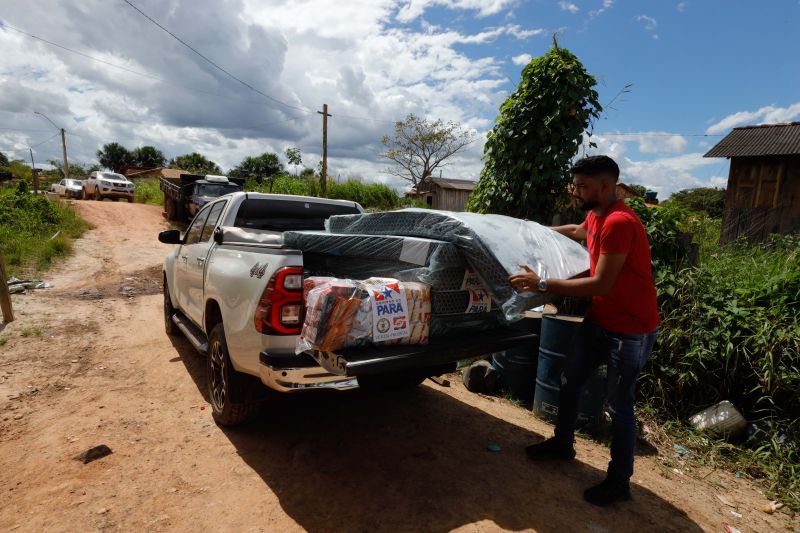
[494, 245]
[343, 313]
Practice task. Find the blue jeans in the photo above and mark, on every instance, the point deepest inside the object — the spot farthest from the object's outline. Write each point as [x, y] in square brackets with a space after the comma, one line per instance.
[625, 354]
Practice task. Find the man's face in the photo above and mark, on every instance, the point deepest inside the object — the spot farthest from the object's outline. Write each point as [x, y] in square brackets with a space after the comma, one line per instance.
[586, 190]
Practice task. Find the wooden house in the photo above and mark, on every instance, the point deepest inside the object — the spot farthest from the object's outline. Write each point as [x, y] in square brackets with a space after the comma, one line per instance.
[763, 193]
[445, 194]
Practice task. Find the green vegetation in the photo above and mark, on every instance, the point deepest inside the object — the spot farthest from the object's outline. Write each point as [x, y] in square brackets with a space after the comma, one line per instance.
[33, 230]
[373, 196]
[148, 191]
[730, 330]
[540, 128]
[31, 332]
[4, 340]
[700, 200]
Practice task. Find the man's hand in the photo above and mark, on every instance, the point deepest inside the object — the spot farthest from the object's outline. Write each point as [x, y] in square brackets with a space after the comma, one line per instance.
[527, 282]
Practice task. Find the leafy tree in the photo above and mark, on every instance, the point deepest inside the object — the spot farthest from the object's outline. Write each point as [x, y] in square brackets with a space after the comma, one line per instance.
[261, 168]
[148, 157]
[195, 163]
[3, 160]
[294, 158]
[638, 189]
[76, 170]
[114, 156]
[420, 146]
[540, 128]
[701, 199]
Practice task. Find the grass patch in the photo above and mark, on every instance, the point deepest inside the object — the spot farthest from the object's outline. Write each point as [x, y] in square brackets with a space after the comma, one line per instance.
[4, 340]
[31, 332]
[34, 231]
[148, 191]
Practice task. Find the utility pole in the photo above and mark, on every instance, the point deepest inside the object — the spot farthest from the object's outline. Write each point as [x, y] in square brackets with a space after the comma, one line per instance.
[63, 142]
[34, 174]
[64, 152]
[323, 184]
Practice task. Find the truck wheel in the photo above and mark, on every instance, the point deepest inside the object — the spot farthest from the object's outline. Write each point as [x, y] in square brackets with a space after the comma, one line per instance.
[233, 395]
[97, 195]
[169, 311]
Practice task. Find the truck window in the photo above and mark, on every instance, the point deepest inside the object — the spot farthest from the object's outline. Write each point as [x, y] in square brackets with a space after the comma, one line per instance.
[211, 223]
[284, 215]
[196, 229]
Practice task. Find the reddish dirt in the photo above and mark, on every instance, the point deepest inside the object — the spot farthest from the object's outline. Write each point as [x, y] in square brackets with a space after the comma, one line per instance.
[88, 363]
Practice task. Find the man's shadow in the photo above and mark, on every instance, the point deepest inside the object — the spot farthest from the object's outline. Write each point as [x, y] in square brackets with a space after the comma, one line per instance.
[418, 461]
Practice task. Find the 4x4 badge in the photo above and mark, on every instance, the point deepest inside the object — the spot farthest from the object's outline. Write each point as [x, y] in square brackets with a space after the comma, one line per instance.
[258, 270]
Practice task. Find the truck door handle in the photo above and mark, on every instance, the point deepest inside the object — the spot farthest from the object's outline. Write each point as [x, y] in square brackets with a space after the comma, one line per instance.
[185, 258]
[201, 260]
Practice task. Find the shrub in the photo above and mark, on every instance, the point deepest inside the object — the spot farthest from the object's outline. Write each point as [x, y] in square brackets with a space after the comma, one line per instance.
[148, 191]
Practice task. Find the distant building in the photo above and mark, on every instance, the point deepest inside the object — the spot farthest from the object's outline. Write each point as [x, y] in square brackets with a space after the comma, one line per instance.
[133, 173]
[445, 194]
[763, 193]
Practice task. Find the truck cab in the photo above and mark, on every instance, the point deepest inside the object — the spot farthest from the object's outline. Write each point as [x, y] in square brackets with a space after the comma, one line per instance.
[205, 190]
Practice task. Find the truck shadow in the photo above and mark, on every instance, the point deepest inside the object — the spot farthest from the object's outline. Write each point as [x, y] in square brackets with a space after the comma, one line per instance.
[418, 460]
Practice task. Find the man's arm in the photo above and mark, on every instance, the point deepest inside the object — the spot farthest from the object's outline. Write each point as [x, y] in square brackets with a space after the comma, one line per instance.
[605, 275]
[573, 231]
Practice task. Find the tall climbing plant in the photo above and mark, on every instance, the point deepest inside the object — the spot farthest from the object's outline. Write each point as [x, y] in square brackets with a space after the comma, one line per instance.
[539, 130]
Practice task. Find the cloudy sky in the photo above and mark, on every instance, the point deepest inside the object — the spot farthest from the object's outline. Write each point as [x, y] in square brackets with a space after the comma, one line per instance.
[697, 68]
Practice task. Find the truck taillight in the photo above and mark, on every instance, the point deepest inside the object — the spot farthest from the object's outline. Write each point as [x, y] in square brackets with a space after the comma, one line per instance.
[280, 309]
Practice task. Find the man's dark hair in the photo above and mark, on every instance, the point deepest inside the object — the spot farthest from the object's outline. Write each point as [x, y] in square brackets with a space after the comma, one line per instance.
[596, 165]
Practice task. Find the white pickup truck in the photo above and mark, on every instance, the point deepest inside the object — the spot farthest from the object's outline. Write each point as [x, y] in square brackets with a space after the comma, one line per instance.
[236, 292]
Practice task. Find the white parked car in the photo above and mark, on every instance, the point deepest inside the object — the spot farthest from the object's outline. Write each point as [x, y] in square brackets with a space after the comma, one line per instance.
[69, 188]
[101, 185]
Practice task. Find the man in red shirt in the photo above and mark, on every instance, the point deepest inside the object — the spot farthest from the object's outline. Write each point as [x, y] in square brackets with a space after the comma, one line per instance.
[620, 326]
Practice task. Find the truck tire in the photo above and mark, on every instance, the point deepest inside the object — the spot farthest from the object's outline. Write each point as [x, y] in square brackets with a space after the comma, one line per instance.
[234, 396]
[84, 194]
[97, 195]
[169, 311]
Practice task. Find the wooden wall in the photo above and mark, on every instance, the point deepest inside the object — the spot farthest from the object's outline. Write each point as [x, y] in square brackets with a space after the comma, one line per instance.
[449, 199]
[763, 197]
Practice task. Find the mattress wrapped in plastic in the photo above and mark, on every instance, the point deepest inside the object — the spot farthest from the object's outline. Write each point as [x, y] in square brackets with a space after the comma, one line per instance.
[494, 245]
[344, 313]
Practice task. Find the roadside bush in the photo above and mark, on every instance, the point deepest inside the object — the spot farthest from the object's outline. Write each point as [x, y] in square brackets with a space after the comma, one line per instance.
[34, 231]
[373, 196]
[148, 191]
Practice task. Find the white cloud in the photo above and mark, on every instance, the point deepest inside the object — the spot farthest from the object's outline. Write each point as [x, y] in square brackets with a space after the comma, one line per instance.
[682, 6]
[302, 52]
[568, 6]
[413, 9]
[522, 59]
[649, 22]
[607, 4]
[766, 115]
[718, 182]
[664, 175]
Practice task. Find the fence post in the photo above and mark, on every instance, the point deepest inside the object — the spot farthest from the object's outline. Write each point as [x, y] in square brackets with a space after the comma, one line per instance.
[5, 296]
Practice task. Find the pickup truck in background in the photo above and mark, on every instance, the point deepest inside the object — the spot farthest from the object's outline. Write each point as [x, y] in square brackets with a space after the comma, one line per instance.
[100, 185]
[186, 195]
[236, 293]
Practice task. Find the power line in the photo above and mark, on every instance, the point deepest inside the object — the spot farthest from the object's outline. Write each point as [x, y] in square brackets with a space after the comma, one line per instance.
[32, 147]
[187, 45]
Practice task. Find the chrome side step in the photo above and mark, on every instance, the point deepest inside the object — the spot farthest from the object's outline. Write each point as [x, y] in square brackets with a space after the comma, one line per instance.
[192, 333]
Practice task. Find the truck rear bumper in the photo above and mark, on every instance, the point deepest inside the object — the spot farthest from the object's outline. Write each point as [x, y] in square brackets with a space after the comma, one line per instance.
[292, 373]
[377, 360]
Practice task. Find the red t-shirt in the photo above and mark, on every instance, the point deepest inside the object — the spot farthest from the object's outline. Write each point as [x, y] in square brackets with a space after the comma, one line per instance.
[631, 305]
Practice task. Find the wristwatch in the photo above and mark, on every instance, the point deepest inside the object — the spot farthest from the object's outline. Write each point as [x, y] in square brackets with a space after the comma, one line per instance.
[542, 285]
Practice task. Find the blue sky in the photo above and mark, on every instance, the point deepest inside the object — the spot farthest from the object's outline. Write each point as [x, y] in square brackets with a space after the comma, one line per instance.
[696, 68]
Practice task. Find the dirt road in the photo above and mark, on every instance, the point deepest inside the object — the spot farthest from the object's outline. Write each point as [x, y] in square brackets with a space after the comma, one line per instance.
[88, 363]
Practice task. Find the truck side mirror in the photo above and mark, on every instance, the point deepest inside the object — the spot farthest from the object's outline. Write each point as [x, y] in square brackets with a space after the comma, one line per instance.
[170, 236]
[218, 235]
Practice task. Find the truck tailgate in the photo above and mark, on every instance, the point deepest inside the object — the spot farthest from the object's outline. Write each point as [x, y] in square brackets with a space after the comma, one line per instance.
[374, 360]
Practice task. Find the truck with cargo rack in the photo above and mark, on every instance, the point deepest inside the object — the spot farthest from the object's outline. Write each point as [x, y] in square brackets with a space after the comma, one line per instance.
[235, 290]
[186, 195]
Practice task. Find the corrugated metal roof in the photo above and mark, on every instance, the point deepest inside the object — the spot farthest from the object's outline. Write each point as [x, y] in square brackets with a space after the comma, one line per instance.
[769, 139]
[444, 183]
